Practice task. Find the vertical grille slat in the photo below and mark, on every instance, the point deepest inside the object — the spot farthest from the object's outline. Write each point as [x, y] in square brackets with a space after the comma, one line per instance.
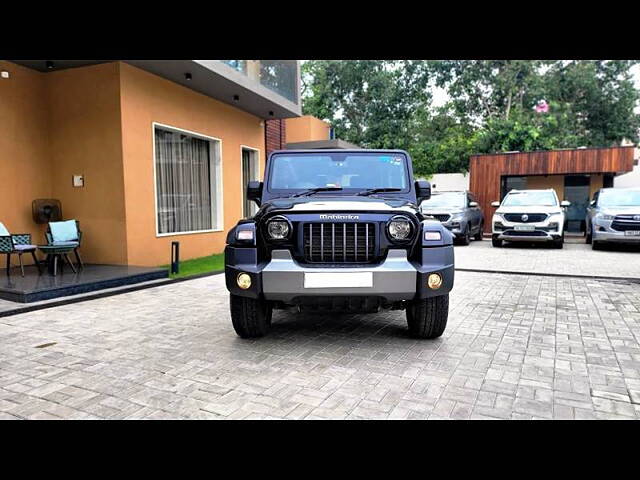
[339, 242]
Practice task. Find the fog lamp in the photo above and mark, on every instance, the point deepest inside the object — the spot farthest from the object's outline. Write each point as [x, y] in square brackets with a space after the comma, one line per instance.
[244, 280]
[434, 281]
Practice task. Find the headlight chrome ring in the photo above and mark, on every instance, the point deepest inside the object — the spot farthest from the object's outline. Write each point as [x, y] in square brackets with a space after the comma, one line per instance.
[279, 228]
[400, 228]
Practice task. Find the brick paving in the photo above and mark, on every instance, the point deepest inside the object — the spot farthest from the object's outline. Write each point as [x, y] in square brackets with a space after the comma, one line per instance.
[576, 258]
[517, 347]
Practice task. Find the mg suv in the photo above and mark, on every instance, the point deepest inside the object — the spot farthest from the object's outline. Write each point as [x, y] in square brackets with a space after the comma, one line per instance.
[459, 212]
[529, 216]
[614, 216]
[339, 230]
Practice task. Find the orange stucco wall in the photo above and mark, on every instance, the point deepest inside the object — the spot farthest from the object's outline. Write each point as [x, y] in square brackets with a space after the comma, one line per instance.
[306, 129]
[146, 98]
[97, 122]
[85, 139]
[24, 147]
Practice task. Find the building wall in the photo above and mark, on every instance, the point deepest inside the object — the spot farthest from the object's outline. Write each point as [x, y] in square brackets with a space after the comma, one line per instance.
[24, 148]
[306, 129]
[485, 171]
[443, 182]
[275, 135]
[146, 98]
[86, 139]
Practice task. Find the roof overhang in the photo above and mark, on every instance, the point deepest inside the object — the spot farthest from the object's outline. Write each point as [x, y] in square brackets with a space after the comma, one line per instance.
[209, 77]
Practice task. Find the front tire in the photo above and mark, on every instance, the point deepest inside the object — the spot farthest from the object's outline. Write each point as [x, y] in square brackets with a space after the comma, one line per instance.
[427, 318]
[496, 242]
[251, 317]
[559, 243]
[466, 238]
[478, 236]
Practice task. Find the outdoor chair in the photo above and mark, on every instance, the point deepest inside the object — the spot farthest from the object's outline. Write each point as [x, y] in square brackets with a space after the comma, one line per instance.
[66, 233]
[18, 244]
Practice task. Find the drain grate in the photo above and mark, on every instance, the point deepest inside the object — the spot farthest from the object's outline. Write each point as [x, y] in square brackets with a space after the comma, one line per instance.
[45, 345]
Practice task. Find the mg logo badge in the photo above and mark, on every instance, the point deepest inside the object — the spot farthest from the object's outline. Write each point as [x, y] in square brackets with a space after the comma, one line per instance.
[525, 217]
[636, 218]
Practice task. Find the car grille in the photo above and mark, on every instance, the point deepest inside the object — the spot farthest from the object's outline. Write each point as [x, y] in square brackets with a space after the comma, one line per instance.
[622, 223]
[532, 217]
[519, 233]
[339, 242]
[441, 217]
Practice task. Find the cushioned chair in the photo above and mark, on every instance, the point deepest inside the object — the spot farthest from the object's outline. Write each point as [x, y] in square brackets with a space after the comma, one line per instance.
[66, 233]
[17, 244]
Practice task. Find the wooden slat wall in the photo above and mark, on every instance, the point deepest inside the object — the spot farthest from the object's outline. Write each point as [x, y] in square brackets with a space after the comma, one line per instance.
[485, 171]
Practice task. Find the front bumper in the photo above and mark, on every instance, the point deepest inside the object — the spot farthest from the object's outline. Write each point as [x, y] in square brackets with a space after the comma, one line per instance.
[395, 279]
[518, 236]
[615, 236]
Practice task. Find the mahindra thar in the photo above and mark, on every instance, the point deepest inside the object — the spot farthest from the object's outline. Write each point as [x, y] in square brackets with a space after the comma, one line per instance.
[339, 230]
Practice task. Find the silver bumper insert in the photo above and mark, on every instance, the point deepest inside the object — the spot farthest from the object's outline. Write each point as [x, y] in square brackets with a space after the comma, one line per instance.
[284, 279]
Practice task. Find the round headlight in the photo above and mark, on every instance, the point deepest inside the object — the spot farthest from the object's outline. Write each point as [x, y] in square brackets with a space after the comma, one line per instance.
[399, 228]
[278, 229]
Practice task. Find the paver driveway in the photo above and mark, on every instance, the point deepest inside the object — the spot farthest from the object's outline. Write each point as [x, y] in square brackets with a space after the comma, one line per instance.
[574, 259]
[516, 347]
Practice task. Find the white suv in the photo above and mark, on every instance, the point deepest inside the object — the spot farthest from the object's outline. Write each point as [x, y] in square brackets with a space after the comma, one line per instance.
[529, 216]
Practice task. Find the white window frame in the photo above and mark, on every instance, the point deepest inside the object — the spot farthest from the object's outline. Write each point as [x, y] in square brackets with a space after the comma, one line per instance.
[257, 172]
[217, 197]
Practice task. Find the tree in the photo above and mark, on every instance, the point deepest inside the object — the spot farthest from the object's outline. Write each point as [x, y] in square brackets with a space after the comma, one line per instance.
[491, 106]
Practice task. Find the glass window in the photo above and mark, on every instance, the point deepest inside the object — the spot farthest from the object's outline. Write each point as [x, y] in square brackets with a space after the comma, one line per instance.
[449, 199]
[349, 172]
[619, 198]
[530, 199]
[188, 190]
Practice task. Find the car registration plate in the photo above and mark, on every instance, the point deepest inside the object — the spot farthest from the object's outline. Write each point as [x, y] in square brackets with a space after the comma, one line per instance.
[338, 279]
[524, 228]
[632, 233]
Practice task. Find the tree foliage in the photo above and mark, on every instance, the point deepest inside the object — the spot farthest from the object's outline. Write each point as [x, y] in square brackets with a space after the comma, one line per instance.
[490, 107]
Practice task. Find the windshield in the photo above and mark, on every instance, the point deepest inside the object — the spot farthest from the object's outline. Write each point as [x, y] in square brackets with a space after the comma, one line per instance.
[530, 199]
[453, 199]
[619, 198]
[353, 172]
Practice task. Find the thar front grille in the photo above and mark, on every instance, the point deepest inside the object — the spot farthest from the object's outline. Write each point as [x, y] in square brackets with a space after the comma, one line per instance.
[339, 242]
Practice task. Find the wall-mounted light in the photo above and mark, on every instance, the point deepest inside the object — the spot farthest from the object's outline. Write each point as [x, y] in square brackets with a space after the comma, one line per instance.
[49, 64]
[187, 76]
[271, 113]
[236, 97]
[4, 74]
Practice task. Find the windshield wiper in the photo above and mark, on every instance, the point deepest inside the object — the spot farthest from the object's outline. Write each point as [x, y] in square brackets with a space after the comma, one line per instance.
[371, 191]
[311, 191]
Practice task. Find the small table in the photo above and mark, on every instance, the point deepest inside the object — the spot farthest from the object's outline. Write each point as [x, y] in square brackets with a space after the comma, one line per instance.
[53, 252]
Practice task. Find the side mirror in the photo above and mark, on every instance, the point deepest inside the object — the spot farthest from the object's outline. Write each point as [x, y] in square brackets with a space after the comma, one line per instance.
[254, 191]
[592, 203]
[473, 204]
[495, 204]
[423, 190]
[564, 203]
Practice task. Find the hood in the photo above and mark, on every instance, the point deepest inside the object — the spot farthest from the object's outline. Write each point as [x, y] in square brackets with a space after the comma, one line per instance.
[349, 204]
[633, 210]
[443, 210]
[534, 209]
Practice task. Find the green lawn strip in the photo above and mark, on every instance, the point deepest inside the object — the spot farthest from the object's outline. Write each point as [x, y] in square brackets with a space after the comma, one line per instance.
[196, 266]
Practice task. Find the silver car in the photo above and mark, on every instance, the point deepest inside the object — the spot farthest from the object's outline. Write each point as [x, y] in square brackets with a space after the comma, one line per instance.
[614, 216]
[458, 211]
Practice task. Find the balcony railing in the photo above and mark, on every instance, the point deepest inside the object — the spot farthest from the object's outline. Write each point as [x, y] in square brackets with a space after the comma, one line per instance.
[279, 76]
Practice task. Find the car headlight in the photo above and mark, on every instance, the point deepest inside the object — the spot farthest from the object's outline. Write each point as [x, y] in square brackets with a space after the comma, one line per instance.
[278, 228]
[496, 218]
[456, 216]
[399, 228]
[604, 216]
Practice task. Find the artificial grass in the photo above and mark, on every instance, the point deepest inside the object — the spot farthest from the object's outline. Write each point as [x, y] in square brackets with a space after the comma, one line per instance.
[200, 265]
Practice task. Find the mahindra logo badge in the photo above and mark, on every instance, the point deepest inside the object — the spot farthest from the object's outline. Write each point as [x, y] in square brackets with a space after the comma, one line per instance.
[636, 218]
[525, 217]
[324, 216]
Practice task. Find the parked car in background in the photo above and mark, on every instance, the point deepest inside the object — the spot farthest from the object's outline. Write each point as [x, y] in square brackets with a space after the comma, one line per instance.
[614, 216]
[458, 211]
[529, 216]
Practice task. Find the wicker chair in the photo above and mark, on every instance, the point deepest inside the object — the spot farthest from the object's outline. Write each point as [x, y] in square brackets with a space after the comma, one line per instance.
[77, 242]
[17, 244]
